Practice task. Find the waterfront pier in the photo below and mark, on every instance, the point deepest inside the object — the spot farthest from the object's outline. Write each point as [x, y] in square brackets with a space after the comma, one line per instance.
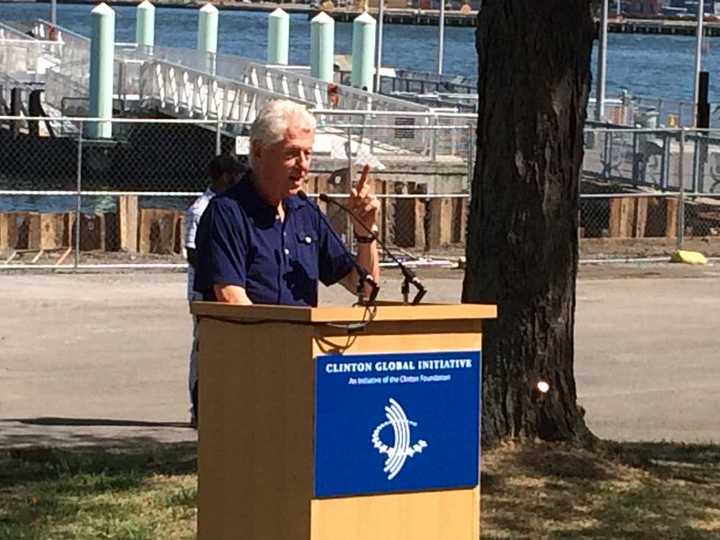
[170, 109]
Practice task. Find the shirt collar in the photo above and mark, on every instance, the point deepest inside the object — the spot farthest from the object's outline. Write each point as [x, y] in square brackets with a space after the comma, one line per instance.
[246, 189]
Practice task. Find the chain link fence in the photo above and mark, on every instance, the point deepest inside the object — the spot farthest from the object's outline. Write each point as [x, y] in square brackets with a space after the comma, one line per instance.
[73, 202]
[70, 200]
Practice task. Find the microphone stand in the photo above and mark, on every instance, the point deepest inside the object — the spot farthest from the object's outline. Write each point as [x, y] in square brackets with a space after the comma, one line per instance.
[363, 275]
[409, 277]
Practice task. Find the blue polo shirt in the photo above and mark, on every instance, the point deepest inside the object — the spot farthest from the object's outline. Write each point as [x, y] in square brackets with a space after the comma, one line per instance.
[242, 241]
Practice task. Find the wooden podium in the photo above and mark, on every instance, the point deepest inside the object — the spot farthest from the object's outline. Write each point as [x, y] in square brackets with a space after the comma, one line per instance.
[259, 461]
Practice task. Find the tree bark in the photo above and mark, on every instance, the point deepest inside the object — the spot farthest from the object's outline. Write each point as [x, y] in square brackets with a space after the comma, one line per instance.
[522, 248]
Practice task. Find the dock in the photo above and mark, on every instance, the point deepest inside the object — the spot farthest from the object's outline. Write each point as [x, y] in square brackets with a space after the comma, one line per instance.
[680, 27]
[683, 27]
[419, 17]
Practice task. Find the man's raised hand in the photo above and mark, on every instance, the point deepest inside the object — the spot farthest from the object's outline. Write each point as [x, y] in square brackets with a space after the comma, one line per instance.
[364, 205]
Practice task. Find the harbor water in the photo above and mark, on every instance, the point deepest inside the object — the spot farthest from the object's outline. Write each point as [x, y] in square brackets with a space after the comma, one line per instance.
[659, 66]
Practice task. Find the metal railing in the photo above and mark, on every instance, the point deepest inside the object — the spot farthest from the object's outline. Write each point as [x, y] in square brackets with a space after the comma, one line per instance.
[279, 79]
[651, 158]
[7, 32]
[188, 83]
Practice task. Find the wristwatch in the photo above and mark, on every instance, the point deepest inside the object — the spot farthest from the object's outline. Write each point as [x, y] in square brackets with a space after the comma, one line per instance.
[368, 239]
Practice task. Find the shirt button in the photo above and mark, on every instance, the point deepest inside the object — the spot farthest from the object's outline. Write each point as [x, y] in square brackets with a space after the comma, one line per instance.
[287, 251]
[308, 240]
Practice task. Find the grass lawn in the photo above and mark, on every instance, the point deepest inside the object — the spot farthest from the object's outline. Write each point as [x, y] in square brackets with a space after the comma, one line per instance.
[629, 490]
[131, 494]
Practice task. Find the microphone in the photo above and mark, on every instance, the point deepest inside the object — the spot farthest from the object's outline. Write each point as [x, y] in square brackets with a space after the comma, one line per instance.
[409, 276]
[363, 274]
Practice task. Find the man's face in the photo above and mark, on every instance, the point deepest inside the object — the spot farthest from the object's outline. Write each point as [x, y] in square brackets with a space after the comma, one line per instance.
[283, 167]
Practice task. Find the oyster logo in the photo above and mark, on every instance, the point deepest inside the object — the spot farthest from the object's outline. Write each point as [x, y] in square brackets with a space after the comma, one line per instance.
[401, 449]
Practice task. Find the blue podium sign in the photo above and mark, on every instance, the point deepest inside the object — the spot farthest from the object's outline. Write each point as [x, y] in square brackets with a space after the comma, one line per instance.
[387, 423]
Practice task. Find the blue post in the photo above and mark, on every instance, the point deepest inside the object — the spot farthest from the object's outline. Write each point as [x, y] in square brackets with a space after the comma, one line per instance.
[208, 29]
[145, 25]
[102, 56]
[322, 47]
[363, 52]
[278, 37]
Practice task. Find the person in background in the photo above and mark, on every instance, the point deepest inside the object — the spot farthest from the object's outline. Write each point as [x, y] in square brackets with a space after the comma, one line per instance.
[224, 172]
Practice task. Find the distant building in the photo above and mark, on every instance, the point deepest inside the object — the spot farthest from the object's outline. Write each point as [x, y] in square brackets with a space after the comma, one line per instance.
[689, 7]
[652, 8]
[398, 4]
[449, 4]
[638, 7]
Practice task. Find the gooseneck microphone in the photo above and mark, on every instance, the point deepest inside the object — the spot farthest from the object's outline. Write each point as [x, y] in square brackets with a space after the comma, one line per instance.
[409, 277]
[363, 275]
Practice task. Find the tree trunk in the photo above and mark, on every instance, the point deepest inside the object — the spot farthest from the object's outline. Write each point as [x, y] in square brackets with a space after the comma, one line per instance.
[522, 248]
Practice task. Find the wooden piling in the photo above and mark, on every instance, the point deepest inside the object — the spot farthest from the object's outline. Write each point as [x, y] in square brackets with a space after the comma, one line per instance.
[6, 237]
[641, 206]
[179, 235]
[461, 209]
[620, 217]
[420, 221]
[320, 185]
[337, 182]
[127, 223]
[92, 231]
[157, 231]
[671, 210]
[440, 223]
[628, 217]
[379, 189]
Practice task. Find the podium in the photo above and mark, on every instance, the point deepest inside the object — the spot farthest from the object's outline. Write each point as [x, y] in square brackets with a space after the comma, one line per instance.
[339, 423]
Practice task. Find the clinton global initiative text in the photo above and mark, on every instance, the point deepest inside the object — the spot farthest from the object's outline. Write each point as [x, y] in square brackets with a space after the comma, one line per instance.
[404, 365]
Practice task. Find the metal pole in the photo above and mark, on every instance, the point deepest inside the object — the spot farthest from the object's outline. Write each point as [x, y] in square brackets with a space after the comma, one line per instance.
[218, 136]
[470, 160]
[53, 12]
[618, 7]
[698, 58]
[348, 229]
[433, 147]
[681, 196]
[378, 48]
[602, 63]
[441, 39]
[79, 199]
[696, 88]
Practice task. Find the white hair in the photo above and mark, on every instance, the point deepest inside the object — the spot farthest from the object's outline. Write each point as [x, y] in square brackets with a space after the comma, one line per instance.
[274, 119]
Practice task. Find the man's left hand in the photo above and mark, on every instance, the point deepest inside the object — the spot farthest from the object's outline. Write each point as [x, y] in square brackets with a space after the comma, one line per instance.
[364, 205]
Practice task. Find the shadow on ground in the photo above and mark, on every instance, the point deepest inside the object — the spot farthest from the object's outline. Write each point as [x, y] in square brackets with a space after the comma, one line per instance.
[141, 489]
[628, 490]
[135, 457]
[94, 422]
[58, 432]
[136, 489]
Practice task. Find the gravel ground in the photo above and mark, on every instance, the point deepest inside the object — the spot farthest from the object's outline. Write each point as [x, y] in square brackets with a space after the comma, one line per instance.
[102, 357]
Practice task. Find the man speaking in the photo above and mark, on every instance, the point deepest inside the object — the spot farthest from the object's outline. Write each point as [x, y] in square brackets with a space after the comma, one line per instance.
[262, 243]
